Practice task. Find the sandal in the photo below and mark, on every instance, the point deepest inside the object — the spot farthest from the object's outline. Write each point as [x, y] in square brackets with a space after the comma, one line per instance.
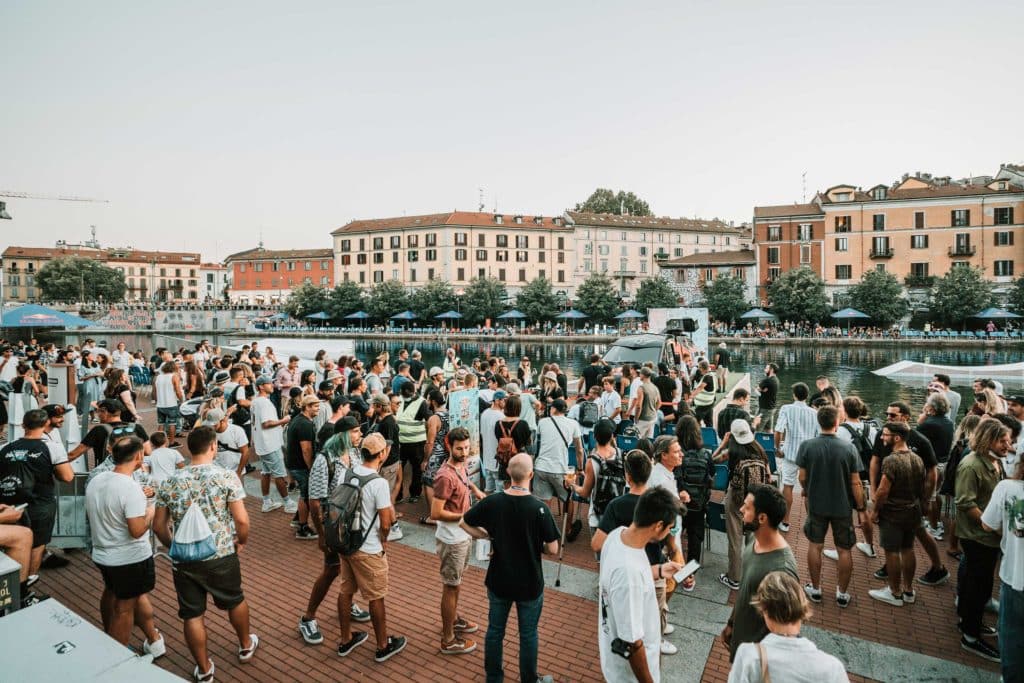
[246, 653]
[426, 521]
[206, 677]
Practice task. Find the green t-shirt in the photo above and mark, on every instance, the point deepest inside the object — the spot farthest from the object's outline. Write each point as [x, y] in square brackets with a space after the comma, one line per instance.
[747, 625]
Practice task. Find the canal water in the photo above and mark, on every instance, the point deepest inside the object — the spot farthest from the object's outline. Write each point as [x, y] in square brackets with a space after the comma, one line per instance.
[849, 368]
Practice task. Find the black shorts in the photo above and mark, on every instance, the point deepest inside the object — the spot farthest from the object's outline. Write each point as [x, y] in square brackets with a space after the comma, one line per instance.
[301, 478]
[816, 526]
[896, 536]
[128, 581]
[221, 578]
[41, 518]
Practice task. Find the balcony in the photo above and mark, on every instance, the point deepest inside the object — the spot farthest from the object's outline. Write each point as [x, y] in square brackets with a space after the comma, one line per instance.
[624, 273]
[661, 255]
[882, 253]
[963, 250]
[919, 280]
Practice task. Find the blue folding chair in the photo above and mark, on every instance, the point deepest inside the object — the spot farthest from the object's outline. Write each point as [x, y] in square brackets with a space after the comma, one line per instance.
[772, 466]
[668, 428]
[721, 481]
[709, 436]
[766, 440]
[579, 470]
[627, 443]
[715, 520]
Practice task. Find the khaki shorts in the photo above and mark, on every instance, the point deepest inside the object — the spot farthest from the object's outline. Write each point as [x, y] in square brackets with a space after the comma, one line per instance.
[390, 475]
[548, 485]
[368, 573]
[454, 560]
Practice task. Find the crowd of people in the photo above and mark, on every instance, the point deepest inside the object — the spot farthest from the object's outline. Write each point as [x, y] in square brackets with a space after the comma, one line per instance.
[342, 444]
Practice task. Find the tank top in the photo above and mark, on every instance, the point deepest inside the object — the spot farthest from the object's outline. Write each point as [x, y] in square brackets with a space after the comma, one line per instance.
[164, 387]
[442, 432]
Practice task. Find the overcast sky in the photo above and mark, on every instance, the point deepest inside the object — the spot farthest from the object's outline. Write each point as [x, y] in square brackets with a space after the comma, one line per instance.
[206, 123]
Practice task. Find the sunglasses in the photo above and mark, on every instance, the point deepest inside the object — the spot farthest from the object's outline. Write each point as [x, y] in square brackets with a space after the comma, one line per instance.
[892, 415]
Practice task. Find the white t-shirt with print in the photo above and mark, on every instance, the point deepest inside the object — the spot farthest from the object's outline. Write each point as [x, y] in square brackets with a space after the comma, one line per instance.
[110, 500]
[376, 497]
[1005, 513]
[265, 440]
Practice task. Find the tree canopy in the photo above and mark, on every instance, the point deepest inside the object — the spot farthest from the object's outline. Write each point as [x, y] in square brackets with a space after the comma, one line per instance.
[386, 299]
[655, 292]
[726, 298]
[346, 298]
[596, 296]
[74, 279]
[880, 295]
[432, 299]
[799, 295]
[537, 300]
[604, 200]
[1015, 299]
[959, 294]
[484, 298]
[306, 299]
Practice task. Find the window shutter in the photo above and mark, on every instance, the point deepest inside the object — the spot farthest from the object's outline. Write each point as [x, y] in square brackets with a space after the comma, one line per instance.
[1009, 212]
[952, 217]
[1010, 234]
[967, 216]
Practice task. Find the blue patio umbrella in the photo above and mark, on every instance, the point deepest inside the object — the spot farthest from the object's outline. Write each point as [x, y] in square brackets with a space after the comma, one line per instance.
[572, 314]
[994, 313]
[849, 314]
[758, 314]
[279, 316]
[512, 315]
[322, 315]
[358, 315]
[450, 315]
[404, 315]
[34, 315]
[629, 315]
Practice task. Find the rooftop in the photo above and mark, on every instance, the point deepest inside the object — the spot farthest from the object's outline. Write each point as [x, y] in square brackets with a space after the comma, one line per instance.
[261, 254]
[109, 254]
[736, 257]
[787, 210]
[612, 220]
[470, 219]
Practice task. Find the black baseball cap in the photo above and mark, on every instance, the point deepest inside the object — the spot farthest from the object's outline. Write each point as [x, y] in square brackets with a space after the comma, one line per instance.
[339, 401]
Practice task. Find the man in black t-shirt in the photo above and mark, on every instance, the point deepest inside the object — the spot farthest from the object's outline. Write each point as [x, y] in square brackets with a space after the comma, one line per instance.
[768, 397]
[619, 511]
[109, 412]
[898, 411]
[594, 373]
[666, 392]
[301, 449]
[521, 528]
[416, 368]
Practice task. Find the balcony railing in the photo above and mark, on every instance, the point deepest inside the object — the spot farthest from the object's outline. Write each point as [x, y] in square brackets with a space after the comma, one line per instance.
[661, 255]
[882, 253]
[919, 280]
[624, 273]
[963, 250]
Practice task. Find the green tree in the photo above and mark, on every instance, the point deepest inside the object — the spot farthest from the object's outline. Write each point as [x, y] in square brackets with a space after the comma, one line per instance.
[537, 300]
[75, 279]
[433, 298]
[1015, 298]
[604, 200]
[726, 298]
[387, 299]
[959, 294]
[880, 295]
[655, 292]
[799, 295]
[596, 296]
[306, 299]
[485, 297]
[346, 298]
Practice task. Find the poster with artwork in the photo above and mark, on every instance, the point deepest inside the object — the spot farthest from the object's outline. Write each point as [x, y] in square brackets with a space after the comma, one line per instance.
[464, 411]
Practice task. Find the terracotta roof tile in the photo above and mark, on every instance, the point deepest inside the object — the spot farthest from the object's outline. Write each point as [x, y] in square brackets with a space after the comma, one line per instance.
[111, 254]
[738, 257]
[454, 218]
[611, 220]
[786, 210]
[258, 254]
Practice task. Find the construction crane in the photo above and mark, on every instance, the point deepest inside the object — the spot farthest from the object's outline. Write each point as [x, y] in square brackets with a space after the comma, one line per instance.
[48, 197]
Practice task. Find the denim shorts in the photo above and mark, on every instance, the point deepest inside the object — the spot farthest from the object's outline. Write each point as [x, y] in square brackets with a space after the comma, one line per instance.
[272, 464]
[301, 478]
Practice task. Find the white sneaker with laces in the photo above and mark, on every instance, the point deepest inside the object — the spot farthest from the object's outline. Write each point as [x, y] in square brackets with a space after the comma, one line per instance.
[396, 533]
[290, 507]
[885, 595]
[668, 648]
[270, 505]
[669, 628]
[831, 553]
[867, 549]
[157, 648]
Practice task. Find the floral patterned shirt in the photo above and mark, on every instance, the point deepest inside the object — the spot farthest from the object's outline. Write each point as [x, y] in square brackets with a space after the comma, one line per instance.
[214, 488]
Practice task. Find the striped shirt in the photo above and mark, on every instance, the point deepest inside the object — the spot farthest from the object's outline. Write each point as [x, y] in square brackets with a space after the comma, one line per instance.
[799, 422]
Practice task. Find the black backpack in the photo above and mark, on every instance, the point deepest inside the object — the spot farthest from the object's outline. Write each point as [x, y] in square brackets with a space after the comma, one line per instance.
[692, 477]
[610, 482]
[861, 442]
[343, 524]
[589, 414]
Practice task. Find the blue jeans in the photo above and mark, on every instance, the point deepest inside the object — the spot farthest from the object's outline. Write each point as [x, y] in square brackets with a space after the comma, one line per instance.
[1011, 631]
[491, 481]
[528, 612]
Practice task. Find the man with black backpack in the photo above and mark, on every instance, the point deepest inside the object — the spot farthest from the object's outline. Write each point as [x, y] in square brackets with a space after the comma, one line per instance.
[587, 412]
[861, 432]
[356, 525]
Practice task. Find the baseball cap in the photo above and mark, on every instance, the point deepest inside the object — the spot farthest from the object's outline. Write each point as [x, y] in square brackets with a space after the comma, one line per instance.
[263, 379]
[512, 388]
[221, 376]
[309, 400]
[1016, 398]
[339, 401]
[373, 444]
[326, 386]
[499, 395]
[55, 409]
[436, 371]
[213, 417]
[346, 424]
[740, 430]
[380, 400]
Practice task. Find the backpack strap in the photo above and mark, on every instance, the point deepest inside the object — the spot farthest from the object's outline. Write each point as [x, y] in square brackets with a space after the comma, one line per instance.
[763, 654]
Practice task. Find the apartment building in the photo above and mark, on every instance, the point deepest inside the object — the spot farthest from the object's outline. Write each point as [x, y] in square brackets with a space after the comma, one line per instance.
[213, 280]
[920, 227]
[266, 276]
[149, 275]
[689, 275]
[457, 246]
[632, 248]
[787, 236]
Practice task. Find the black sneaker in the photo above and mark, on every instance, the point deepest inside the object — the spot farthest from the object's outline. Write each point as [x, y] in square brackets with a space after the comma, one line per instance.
[985, 630]
[411, 500]
[360, 615]
[31, 598]
[358, 637]
[306, 533]
[725, 580]
[980, 648]
[395, 645]
[54, 561]
[934, 577]
[574, 531]
[881, 573]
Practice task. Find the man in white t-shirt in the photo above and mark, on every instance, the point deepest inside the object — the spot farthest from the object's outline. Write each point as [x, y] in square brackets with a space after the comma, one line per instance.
[367, 568]
[268, 441]
[629, 627]
[232, 443]
[554, 436]
[489, 441]
[162, 462]
[120, 515]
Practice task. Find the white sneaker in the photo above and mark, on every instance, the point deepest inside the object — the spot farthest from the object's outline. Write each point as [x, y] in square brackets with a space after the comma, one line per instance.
[270, 505]
[867, 549]
[396, 533]
[783, 527]
[831, 554]
[668, 648]
[158, 648]
[291, 507]
[885, 595]
[669, 628]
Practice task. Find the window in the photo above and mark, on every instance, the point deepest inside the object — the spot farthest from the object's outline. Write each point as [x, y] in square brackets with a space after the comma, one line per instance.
[643, 266]
[643, 251]
[378, 276]
[842, 244]
[412, 256]
[773, 254]
[604, 234]
[481, 240]
[522, 241]
[361, 259]
[430, 273]
[481, 254]
[412, 275]
[323, 280]
[880, 246]
[588, 266]
[919, 269]
[461, 274]
[602, 249]
[588, 249]
[661, 237]
[142, 271]
[542, 273]
[501, 274]
[604, 265]
[960, 218]
[843, 223]
[561, 275]
[677, 252]
[461, 239]
[346, 259]
[773, 274]
[1004, 216]
[622, 236]
[431, 239]
[502, 240]
[259, 269]
[460, 255]
[805, 232]
[396, 242]
[501, 255]
[378, 242]
[431, 255]
[878, 193]
[324, 265]
[241, 268]
[308, 265]
[962, 244]
[362, 277]
[738, 272]
[413, 241]
[378, 257]
[774, 233]
[541, 242]
[1004, 268]
[561, 256]
[919, 241]
[561, 243]
[522, 256]
[878, 221]
[918, 220]
[679, 238]
[709, 274]
[481, 273]
[290, 266]
[805, 253]
[844, 272]
[880, 267]
[1004, 238]
[522, 275]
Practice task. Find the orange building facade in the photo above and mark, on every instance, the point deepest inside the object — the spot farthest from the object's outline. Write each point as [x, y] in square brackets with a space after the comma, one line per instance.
[265, 276]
